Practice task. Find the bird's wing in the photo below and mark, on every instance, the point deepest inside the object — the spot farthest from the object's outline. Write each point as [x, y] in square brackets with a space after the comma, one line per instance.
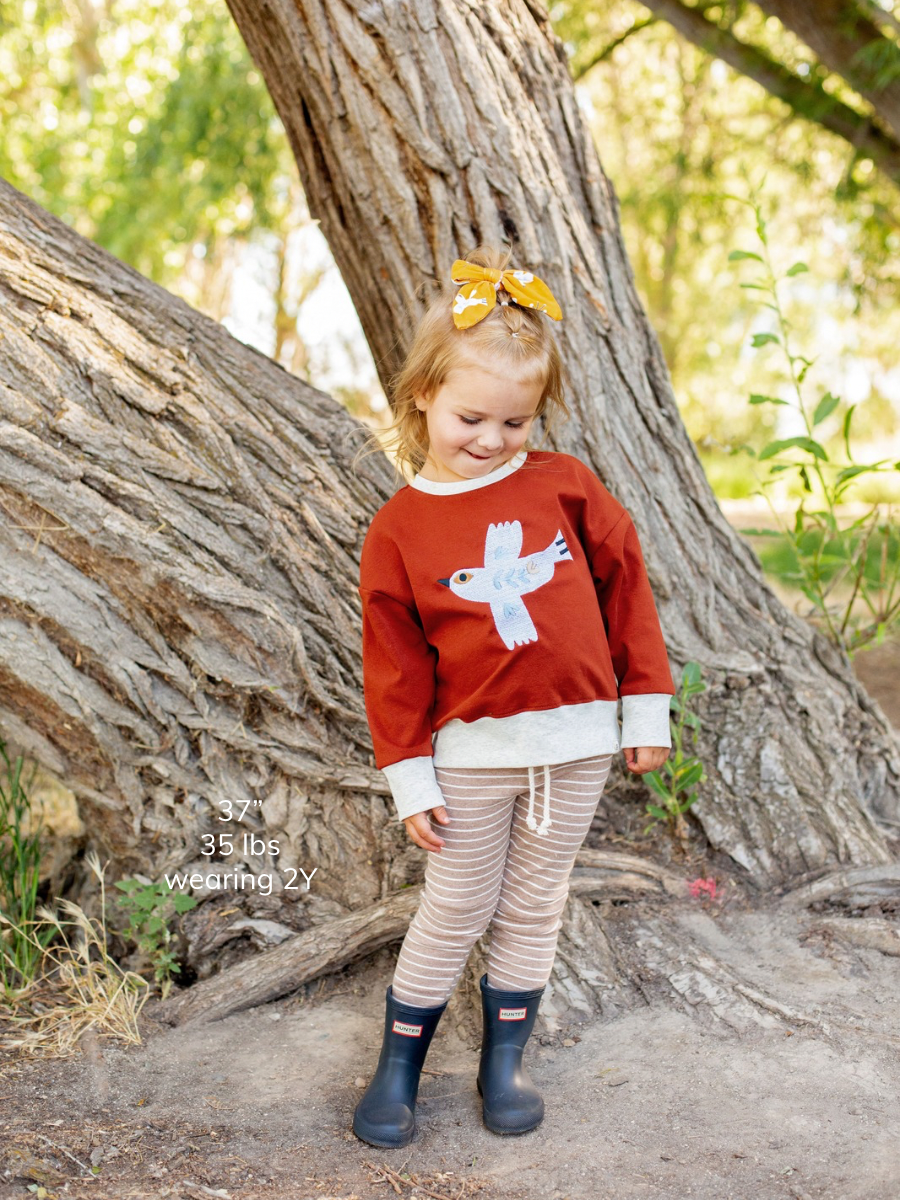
[503, 542]
[513, 622]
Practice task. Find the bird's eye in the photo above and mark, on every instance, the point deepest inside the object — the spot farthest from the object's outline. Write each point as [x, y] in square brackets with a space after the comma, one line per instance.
[462, 576]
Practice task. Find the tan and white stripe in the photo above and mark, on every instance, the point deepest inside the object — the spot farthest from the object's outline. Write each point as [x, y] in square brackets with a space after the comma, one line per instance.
[494, 867]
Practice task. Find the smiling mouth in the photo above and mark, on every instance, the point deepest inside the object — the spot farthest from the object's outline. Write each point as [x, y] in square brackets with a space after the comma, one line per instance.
[480, 457]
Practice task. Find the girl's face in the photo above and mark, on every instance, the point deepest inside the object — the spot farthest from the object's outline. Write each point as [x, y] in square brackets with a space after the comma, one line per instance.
[477, 421]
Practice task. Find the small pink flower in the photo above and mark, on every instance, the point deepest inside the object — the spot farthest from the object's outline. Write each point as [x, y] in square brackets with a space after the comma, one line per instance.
[696, 886]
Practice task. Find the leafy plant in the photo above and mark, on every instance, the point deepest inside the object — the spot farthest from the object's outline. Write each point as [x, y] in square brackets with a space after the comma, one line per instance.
[860, 556]
[20, 861]
[150, 907]
[675, 783]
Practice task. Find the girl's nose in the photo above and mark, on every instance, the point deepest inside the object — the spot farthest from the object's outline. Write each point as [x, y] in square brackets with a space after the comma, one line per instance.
[490, 441]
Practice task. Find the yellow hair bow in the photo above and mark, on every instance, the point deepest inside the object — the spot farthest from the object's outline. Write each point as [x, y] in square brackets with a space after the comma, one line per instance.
[478, 295]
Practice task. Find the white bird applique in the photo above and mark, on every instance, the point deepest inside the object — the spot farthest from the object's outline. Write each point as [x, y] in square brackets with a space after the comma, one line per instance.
[505, 578]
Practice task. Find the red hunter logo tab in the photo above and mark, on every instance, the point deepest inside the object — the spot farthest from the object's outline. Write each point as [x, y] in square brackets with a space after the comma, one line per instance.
[406, 1029]
[512, 1014]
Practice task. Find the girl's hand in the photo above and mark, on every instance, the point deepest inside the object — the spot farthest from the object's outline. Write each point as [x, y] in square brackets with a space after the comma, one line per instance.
[421, 831]
[641, 759]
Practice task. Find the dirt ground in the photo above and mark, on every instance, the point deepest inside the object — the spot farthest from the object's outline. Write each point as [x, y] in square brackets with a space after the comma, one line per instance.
[657, 1103]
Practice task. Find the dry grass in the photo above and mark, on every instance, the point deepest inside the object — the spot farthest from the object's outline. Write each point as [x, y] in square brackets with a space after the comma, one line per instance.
[80, 987]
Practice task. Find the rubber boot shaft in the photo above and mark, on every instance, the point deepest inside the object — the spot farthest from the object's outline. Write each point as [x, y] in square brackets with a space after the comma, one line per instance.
[386, 1114]
[511, 1103]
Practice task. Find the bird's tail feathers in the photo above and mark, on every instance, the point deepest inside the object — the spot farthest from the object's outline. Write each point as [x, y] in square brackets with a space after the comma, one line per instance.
[559, 547]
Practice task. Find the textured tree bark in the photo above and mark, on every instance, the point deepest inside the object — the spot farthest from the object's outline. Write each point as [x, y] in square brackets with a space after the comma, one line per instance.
[422, 128]
[179, 542]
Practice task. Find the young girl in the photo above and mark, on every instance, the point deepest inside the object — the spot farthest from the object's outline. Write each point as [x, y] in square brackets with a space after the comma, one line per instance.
[506, 608]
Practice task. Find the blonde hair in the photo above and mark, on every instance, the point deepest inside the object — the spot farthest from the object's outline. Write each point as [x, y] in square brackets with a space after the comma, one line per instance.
[438, 347]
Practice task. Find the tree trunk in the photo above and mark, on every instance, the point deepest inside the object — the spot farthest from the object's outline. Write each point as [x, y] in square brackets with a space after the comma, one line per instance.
[421, 129]
[179, 625]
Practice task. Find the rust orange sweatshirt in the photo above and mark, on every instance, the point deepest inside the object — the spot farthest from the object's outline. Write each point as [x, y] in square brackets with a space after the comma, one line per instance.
[503, 618]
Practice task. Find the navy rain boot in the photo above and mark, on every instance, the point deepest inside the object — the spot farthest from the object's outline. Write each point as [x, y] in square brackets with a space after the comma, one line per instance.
[386, 1115]
[511, 1101]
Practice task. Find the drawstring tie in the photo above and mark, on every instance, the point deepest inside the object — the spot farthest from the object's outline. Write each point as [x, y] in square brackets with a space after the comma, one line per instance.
[540, 830]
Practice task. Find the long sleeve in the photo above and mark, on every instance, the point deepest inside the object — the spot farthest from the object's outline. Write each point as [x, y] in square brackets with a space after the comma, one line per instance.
[635, 638]
[633, 631]
[398, 686]
[398, 678]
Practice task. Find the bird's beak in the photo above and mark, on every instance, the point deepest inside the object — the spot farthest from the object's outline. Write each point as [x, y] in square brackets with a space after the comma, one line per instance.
[445, 582]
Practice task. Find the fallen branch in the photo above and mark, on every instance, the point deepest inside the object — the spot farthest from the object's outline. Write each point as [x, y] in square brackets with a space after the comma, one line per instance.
[284, 968]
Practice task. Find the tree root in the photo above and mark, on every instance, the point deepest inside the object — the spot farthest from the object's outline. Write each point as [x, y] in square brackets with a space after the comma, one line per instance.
[855, 887]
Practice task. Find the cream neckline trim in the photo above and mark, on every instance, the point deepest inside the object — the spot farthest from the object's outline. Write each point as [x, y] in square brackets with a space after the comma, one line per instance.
[469, 485]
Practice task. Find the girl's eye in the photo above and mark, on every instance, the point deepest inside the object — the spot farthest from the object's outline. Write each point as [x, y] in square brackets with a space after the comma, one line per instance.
[475, 420]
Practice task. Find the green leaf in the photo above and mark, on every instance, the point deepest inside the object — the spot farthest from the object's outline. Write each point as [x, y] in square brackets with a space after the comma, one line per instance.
[802, 443]
[760, 339]
[798, 268]
[657, 785]
[691, 673]
[757, 399]
[825, 407]
[656, 811]
[735, 255]
[689, 776]
[847, 430]
[852, 472]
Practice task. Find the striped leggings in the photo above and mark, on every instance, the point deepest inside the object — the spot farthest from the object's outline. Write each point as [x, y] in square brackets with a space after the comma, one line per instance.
[497, 862]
